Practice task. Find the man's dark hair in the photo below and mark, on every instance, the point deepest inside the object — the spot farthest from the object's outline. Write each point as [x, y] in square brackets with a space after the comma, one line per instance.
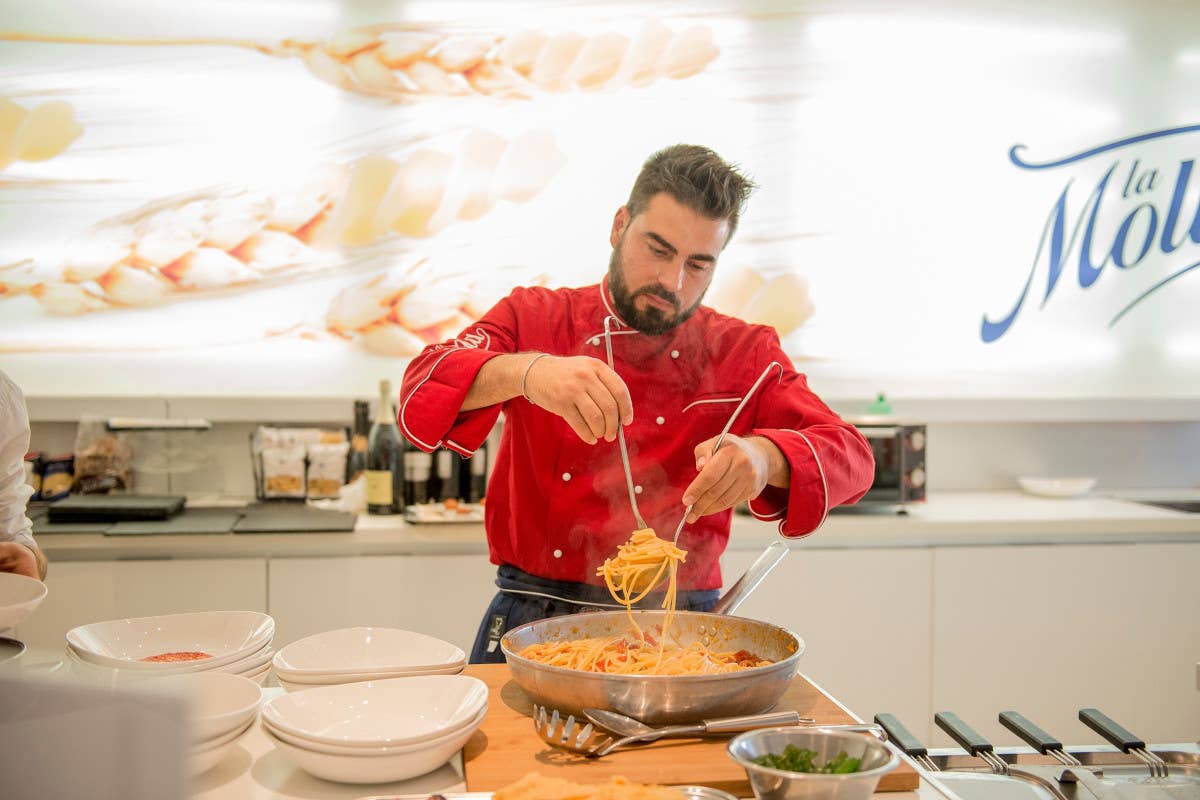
[696, 177]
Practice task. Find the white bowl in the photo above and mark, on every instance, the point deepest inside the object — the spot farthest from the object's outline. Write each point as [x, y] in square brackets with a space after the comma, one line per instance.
[257, 660]
[19, 596]
[288, 686]
[218, 702]
[259, 677]
[1057, 487]
[372, 769]
[359, 650]
[356, 750]
[205, 756]
[318, 679]
[227, 636]
[379, 713]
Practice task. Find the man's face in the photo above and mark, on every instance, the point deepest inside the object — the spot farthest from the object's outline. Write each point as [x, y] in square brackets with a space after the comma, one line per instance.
[662, 263]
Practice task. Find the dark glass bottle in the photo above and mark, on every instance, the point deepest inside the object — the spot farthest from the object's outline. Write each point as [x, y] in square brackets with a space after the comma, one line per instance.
[356, 464]
[473, 475]
[443, 483]
[418, 467]
[385, 448]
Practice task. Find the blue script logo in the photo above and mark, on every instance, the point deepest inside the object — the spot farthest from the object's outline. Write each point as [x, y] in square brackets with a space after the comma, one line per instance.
[1127, 249]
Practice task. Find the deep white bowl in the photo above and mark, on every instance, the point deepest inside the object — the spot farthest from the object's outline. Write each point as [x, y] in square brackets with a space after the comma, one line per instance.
[372, 769]
[218, 702]
[227, 636]
[356, 750]
[206, 755]
[19, 596]
[1057, 487]
[365, 650]
[389, 712]
[319, 679]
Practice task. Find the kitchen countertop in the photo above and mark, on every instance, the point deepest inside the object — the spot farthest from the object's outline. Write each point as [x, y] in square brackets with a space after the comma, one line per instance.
[947, 519]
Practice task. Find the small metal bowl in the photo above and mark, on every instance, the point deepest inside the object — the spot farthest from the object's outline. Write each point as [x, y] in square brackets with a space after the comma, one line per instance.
[776, 784]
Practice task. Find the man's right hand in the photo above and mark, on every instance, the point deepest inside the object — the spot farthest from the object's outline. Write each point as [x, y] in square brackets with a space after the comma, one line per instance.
[583, 391]
[16, 557]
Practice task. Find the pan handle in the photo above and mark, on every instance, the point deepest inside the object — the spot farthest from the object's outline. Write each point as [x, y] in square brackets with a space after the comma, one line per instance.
[1110, 730]
[900, 735]
[1031, 734]
[966, 736]
[753, 576]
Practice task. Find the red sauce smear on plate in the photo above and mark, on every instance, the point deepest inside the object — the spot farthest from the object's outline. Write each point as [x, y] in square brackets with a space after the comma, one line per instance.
[181, 655]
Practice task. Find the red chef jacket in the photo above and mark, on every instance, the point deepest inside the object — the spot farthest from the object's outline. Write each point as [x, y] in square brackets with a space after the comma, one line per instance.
[558, 507]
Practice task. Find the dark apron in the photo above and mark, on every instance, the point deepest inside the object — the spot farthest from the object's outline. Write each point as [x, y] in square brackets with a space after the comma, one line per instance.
[525, 598]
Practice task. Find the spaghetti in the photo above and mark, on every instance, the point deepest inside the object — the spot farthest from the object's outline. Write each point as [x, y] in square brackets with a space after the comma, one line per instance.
[639, 566]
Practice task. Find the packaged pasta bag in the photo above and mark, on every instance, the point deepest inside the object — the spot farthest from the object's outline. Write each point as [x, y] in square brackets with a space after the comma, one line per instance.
[326, 468]
[283, 471]
[103, 459]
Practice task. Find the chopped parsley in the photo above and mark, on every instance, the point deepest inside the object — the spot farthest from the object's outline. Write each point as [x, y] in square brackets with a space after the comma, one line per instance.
[798, 759]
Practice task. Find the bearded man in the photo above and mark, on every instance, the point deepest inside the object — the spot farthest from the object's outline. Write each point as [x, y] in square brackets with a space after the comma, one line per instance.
[558, 503]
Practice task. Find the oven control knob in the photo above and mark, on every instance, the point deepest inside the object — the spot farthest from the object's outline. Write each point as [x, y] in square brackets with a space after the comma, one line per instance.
[916, 478]
[916, 440]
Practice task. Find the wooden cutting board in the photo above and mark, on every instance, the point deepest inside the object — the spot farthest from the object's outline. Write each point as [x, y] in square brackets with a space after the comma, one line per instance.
[506, 747]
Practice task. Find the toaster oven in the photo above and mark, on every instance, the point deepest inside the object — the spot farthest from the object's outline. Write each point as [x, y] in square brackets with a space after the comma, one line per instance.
[899, 449]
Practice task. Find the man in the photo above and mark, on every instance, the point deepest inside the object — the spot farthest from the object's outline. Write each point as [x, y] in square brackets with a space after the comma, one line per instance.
[558, 503]
[18, 552]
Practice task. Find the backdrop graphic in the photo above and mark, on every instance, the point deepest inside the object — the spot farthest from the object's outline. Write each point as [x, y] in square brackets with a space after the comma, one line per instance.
[957, 199]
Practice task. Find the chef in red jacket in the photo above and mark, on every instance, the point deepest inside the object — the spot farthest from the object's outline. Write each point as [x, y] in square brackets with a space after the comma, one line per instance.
[558, 503]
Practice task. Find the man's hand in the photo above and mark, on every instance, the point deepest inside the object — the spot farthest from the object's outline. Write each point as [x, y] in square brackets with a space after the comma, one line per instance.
[739, 471]
[16, 557]
[583, 391]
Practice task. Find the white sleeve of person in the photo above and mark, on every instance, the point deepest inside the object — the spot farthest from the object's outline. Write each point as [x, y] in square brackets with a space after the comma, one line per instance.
[15, 525]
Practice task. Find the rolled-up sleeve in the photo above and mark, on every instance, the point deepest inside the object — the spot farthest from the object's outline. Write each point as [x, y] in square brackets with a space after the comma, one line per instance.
[15, 525]
[831, 462]
[438, 379]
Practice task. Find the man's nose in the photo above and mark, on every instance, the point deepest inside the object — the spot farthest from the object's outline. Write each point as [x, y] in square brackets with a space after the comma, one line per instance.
[670, 275]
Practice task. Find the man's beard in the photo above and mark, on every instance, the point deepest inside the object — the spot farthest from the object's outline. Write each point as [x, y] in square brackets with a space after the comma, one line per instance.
[653, 320]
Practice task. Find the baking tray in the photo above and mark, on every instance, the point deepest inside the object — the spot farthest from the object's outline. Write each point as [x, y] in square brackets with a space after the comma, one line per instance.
[114, 507]
[274, 518]
[198, 521]
[690, 792]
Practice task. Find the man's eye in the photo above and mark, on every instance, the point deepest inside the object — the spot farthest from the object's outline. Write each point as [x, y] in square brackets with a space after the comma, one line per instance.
[658, 251]
[698, 266]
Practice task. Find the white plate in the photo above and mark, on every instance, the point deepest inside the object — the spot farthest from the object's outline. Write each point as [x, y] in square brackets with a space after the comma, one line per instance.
[379, 713]
[320, 679]
[354, 750]
[257, 660]
[226, 636]
[1057, 487]
[358, 650]
[218, 702]
[371, 769]
[19, 596]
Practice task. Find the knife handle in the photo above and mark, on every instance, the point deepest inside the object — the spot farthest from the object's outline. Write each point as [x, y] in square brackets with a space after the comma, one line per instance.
[1106, 727]
[901, 735]
[1031, 734]
[752, 721]
[966, 736]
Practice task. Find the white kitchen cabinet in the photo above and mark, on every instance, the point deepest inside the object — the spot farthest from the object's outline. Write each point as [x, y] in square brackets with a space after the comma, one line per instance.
[1047, 630]
[80, 592]
[864, 616]
[442, 596]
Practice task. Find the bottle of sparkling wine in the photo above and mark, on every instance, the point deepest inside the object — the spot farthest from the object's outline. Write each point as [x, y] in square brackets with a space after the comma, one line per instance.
[385, 448]
[356, 464]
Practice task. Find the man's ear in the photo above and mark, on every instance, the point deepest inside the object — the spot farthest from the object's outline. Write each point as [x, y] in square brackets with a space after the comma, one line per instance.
[620, 222]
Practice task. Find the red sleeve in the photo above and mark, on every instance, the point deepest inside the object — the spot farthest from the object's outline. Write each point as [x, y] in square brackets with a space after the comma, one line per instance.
[436, 383]
[831, 462]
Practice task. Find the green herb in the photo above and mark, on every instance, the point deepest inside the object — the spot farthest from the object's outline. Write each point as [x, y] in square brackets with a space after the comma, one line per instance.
[798, 759]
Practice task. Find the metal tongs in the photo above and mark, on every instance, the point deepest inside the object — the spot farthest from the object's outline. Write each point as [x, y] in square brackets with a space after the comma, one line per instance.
[637, 514]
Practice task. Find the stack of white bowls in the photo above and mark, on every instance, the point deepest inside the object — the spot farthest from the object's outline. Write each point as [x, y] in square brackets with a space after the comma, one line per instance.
[350, 655]
[236, 642]
[377, 731]
[221, 707]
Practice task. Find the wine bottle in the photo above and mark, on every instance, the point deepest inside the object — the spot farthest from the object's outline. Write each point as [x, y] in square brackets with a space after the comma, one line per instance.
[385, 478]
[418, 465]
[473, 476]
[356, 464]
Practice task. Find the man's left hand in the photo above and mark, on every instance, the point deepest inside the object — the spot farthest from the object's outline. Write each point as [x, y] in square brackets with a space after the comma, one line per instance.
[739, 471]
[16, 557]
